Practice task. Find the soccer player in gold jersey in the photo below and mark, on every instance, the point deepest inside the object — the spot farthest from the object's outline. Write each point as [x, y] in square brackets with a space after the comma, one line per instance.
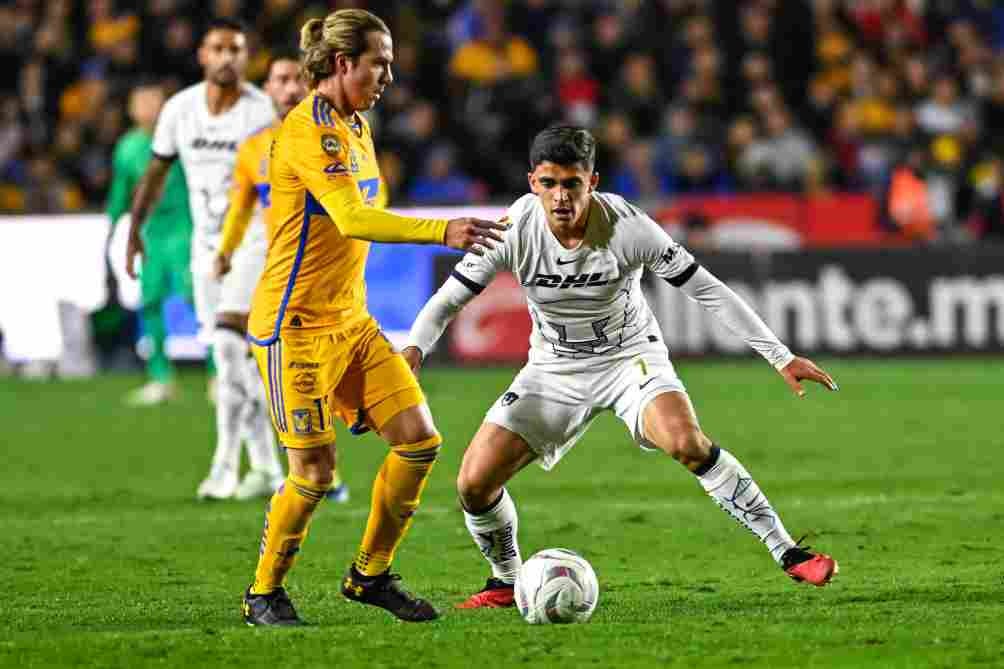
[320, 352]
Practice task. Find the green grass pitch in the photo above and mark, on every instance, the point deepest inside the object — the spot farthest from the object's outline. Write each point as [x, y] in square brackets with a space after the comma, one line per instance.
[108, 560]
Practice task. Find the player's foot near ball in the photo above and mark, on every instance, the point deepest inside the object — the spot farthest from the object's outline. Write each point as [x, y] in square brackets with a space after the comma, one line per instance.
[274, 609]
[807, 567]
[384, 590]
[497, 594]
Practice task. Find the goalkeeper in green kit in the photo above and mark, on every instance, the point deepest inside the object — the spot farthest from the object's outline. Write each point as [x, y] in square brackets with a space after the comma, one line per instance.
[167, 236]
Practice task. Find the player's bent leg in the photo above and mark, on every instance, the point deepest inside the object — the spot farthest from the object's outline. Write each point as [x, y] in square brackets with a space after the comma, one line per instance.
[287, 520]
[397, 490]
[495, 455]
[670, 423]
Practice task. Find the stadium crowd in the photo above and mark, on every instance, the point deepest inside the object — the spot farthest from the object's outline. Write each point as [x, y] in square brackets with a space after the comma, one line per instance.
[892, 97]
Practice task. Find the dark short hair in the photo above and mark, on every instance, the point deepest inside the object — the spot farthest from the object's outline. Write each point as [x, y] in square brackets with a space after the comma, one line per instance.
[281, 55]
[224, 23]
[563, 145]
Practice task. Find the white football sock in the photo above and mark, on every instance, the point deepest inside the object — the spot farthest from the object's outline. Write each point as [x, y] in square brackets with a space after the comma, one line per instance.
[494, 531]
[735, 491]
[229, 350]
[258, 425]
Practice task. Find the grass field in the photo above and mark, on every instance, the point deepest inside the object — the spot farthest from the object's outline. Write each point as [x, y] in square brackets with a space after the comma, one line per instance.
[109, 561]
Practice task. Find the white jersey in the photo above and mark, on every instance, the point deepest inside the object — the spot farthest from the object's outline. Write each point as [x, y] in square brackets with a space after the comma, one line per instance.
[586, 303]
[207, 145]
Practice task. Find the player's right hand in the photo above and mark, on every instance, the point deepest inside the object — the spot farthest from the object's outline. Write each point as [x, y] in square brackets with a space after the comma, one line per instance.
[221, 265]
[134, 248]
[412, 356]
[472, 234]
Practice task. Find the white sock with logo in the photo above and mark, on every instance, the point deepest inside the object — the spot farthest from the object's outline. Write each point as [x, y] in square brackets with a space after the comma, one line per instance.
[734, 490]
[494, 531]
[258, 432]
[229, 351]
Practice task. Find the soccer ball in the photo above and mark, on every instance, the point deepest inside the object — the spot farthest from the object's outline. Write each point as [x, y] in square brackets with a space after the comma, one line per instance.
[556, 586]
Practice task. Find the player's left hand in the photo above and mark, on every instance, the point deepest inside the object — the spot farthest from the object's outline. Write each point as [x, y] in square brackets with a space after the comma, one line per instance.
[804, 369]
[221, 265]
[413, 357]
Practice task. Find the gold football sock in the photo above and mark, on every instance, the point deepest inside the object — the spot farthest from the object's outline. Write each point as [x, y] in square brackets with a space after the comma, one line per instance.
[336, 480]
[286, 521]
[396, 492]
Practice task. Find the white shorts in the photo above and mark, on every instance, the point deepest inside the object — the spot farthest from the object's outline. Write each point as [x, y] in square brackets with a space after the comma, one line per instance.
[551, 410]
[234, 292]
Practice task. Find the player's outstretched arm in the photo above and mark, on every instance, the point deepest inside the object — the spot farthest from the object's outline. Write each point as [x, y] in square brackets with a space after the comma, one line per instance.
[358, 220]
[432, 320]
[712, 294]
[147, 194]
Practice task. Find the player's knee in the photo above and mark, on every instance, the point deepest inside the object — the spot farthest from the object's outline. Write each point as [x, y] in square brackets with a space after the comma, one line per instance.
[687, 445]
[475, 493]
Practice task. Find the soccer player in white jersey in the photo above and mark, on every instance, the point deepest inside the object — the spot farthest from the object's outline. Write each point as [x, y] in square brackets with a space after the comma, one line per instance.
[595, 346]
[202, 126]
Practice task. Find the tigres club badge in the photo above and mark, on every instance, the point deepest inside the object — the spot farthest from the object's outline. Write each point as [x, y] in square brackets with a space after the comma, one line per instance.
[301, 421]
[330, 145]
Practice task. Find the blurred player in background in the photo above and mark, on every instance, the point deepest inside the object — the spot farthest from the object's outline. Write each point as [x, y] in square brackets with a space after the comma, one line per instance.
[167, 237]
[249, 198]
[202, 126]
[322, 354]
[596, 346]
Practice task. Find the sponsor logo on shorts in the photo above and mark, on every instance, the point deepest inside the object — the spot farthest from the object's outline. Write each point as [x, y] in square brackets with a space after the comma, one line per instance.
[302, 423]
[305, 382]
[330, 145]
[304, 365]
[508, 398]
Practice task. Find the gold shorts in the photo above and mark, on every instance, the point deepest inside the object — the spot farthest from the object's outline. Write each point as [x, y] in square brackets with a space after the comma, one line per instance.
[355, 375]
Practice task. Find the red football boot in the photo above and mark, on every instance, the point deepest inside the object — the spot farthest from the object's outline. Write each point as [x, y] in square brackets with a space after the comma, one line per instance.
[805, 566]
[495, 595]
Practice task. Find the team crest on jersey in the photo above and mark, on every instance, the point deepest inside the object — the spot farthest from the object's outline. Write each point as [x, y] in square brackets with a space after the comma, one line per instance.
[330, 145]
[302, 423]
[353, 163]
[509, 398]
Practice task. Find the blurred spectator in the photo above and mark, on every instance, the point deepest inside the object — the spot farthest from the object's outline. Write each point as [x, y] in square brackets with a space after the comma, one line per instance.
[637, 177]
[494, 56]
[943, 112]
[637, 93]
[782, 160]
[442, 183]
[578, 91]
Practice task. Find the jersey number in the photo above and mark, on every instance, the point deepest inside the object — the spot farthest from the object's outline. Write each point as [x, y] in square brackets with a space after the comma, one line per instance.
[583, 346]
[369, 189]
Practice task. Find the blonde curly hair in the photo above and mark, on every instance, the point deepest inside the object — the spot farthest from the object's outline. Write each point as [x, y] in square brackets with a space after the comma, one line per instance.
[343, 31]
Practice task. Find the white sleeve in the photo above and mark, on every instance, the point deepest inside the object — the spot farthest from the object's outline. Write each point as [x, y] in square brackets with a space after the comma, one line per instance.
[648, 244]
[708, 290]
[437, 314]
[165, 135]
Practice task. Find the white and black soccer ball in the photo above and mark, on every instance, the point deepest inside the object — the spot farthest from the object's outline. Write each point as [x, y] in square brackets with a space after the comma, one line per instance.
[556, 586]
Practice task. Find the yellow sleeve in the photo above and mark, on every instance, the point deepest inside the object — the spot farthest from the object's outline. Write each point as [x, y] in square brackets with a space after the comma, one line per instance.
[357, 219]
[321, 159]
[241, 205]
